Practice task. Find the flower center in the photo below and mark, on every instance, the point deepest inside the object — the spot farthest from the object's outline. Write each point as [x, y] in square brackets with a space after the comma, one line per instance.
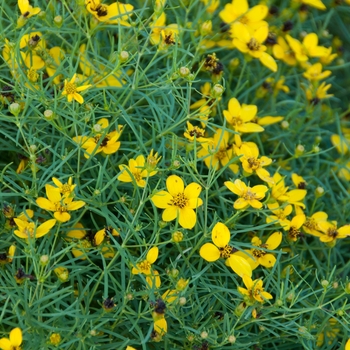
[253, 163]
[332, 232]
[29, 230]
[294, 233]
[236, 121]
[71, 88]
[60, 208]
[196, 132]
[137, 175]
[311, 224]
[180, 200]
[249, 195]
[65, 189]
[226, 251]
[221, 154]
[102, 10]
[144, 266]
[257, 253]
[104, 141]
[32, 75]
[253, 45]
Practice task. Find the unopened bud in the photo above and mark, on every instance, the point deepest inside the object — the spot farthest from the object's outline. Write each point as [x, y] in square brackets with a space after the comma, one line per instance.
[204, 335]
[124, 56]
[44, 259]
[206, 27]
[48, 114]
[217, 91]
[184, 72]
[324, 283]
[319, 192]
[231, 339]
[177, 236]
[285, 124]
[182, 301]
[299, 150]
[162, 223]
[15, 108]
[58, 21]
[173, 273]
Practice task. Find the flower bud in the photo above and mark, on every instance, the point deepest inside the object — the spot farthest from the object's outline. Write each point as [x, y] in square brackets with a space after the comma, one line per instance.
[182, 301]
[48, 114]
[206, 28]
[285, 124]
[184, 72]
[44, 260]
[62, 274]
[231, 339]
[173, 273]
[124, 56]
[58, 21]
[319, 192]
[55, 339]
[177, 236]
[204, 335]
[217, 91]
[324, 283]
[15, 108]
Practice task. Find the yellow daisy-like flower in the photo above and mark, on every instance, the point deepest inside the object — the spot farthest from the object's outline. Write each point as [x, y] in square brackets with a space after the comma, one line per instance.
[341, 142]
[279, 214]
[169, 36]
[94, 145]
[146, 265]
[66, 189]
[308, 48]
[8, 257]
[218, 150]
[59, 204]
[157, 26]
[71, 90]
[314, 97]
[27, 11]
[14, 342]
[311, 224]
[28, 229]
[249, 196]
[254, 292]
[195, 133]
[240, 117]
[283, 52]
[294, 228]
[330, 233]
[116, 13]
[314, 72]
[251, 42]
[179, 202]
[135, 172]
[105, 232]
[251, 162]
[220, 249]
[257, 256]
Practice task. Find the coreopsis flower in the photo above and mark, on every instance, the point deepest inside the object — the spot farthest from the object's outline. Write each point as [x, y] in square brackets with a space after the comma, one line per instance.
[169, 36]
[342, 142]
[106, 143]
[280, 193]
[67, 189]
[145, 266]
[279, 214]
[27, 11]
[210, 252]
[193, 133]
[314, 96]
[179, 202]
[271, 85]
[105, 232]
[238, 11]
[329, 58]
[251, 162]
[240, 118]
[330, 232]
[135, 172]
[71, 90]
[218, 150]
[294, 227]
[308, 48]
[116, 13]
[28, 229]
[101, 75]
[314, 72]
[257, 256]
[311, 224]
[8, 257]
[211, 5]
[283, 52]
[299, 181]
[55, 339]
[62, 273]
[251, 42]
[157, 26]
[152, 161]
[160, 328]
[59, 204]
[254, 291]
[14, 342]
[249, 196]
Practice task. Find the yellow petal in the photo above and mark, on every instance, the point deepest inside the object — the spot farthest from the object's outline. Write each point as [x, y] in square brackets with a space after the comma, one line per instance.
[193, 190]
[209, 252]
[44, 228]
[274, 240]
[257, 13]
[162, 199]
[268, 61]
[62, 216]
[268, 260]
[240, 266]
[44, 203]
[187, 218]
[16, 337]
[174, 185]
[220, 235]
[241, 203]
[170, 214]
[152, 255]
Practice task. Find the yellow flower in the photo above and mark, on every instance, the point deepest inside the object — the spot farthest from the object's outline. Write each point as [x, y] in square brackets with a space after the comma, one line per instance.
[8, 257]
[157, 26]
[169, 36]
[101, 142]
[135, 172]
[283, 52]
[251, 162]
[220, 249]
[299, 181]
[116, 13]
[105, 232]
[101, 75]
[279, 214]
[257, 256]
[58, 204]
[144, 266]
[130, 348]
[57, 55]
[77, 232]
[314, 72]
[160, 328]
[62, 273]
[55, 338]
[28, 229]
[239, 11]
[294, 227]
[72, 90]
[341, 142]
[218, 150]
[195, 133]
[66, 189]
[27, 11]
[329, 57]
[179, 202]
[311, 225]
[248, 196]
[152, 161]
[251, 42]
[308, 48]
[15, 341]
[153, 280]
[254, 292]
[240, 118]
[330, 233]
